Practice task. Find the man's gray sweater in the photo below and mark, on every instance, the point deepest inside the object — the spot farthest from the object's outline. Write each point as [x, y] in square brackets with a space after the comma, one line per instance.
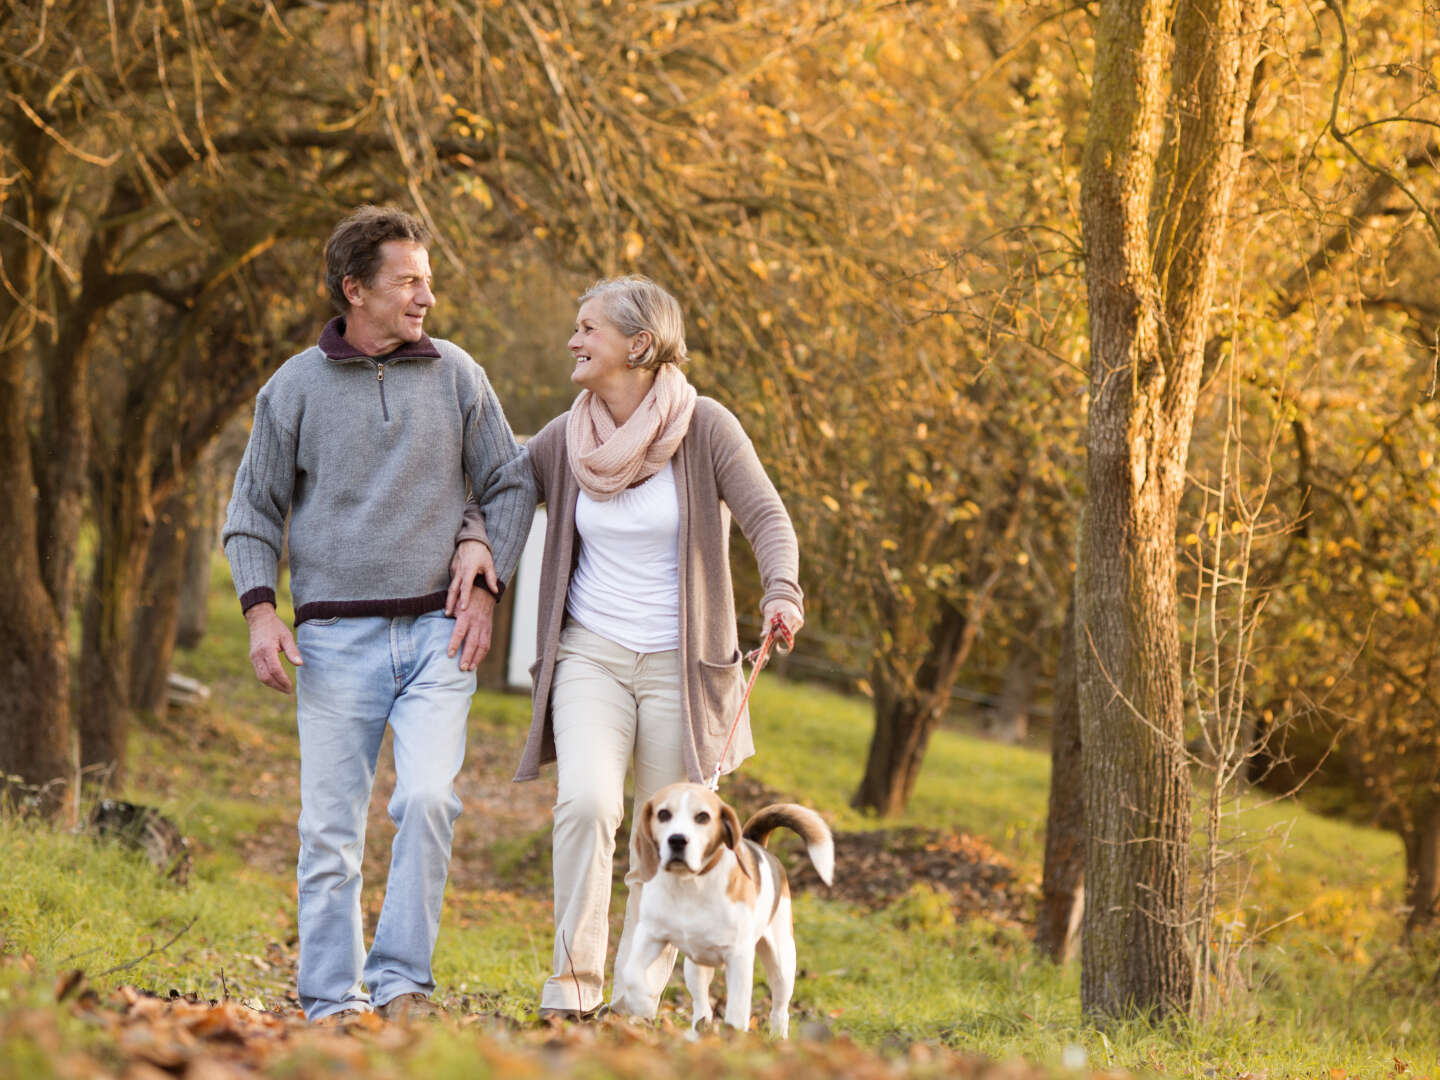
[370, 457]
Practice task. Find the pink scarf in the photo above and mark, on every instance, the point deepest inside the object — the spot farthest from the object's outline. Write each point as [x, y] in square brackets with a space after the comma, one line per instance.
[606, 459]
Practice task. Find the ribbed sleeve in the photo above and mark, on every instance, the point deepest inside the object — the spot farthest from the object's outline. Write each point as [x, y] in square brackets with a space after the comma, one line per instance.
[762, 517]
[255, 519]
[500, 478]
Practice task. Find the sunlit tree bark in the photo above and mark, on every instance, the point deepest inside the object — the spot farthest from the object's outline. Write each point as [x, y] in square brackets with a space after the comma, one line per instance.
[1161, 157]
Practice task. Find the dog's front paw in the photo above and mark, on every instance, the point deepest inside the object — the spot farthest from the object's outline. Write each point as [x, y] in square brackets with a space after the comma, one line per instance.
[703, 1025]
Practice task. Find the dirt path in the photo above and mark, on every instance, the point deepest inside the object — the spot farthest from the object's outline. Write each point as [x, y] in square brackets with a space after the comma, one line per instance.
[502, 836]
[873, 868]
[493, 808]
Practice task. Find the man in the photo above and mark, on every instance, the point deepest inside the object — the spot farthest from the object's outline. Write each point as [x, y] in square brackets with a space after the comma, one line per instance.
[366, 441]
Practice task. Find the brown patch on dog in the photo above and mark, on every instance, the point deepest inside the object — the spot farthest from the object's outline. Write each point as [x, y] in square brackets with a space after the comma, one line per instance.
[647, 849]
[741, 887]
[713, 852]
[735, 841]
[717, 839]
[777, 871]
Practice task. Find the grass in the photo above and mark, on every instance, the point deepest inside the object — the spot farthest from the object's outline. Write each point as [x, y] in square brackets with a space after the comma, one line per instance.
[1328, 988]
[1332, 987]
[69, 901]
[814, 741]
[1307, 871]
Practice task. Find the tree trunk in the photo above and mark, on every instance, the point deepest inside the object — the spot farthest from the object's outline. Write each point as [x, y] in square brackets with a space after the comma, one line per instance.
[1127, 633]
[902, 732]
[1149, 301]
[35, 737]
[104, 681]
[120, 505]
[1062, 885]
[1422, 870]
[906, 715]
[65, 424]
[1010, 721]
[194, 589]
[157, 614]
[36, 746]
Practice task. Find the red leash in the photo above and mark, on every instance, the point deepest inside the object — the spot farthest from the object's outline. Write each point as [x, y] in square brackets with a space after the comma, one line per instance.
[778, 630]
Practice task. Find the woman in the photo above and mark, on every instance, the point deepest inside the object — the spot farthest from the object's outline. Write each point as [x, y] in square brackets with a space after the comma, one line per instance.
[637, 642]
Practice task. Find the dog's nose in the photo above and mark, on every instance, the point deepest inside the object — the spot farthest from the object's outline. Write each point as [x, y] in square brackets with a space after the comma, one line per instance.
[677, 842]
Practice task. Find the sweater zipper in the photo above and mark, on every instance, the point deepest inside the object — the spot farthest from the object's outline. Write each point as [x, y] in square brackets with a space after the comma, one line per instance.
[380, 381]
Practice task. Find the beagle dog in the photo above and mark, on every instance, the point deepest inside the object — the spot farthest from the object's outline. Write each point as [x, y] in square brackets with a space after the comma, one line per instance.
[713, 892]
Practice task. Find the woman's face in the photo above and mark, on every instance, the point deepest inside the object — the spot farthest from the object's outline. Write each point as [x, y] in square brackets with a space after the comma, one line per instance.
[599, 348]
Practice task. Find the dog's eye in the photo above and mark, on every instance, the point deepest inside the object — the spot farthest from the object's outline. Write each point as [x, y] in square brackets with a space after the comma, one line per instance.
[701, 818]
[662, 815]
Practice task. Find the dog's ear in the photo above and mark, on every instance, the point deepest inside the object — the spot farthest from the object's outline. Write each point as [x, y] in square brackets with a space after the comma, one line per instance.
[735, 840]
[647, 849]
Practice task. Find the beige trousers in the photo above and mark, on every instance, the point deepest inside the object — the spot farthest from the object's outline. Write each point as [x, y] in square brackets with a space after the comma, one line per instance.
[608, 705]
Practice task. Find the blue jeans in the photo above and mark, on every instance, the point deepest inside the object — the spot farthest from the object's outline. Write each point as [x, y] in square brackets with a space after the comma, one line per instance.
[358, 675]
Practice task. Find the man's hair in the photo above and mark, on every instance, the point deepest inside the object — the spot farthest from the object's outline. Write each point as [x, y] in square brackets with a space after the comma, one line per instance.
[353, 249]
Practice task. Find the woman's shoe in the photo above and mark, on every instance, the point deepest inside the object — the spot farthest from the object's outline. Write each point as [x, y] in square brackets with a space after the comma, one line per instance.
[559, 1015]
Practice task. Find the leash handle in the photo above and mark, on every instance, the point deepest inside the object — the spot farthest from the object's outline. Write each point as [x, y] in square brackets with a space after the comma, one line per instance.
[778, 634]
[778, 631]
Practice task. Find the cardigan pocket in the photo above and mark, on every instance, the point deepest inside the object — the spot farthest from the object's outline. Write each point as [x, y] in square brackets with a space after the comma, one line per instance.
[722, 686]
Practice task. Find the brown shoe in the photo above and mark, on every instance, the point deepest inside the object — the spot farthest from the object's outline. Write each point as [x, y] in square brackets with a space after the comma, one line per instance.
[407, 1008]
[343, 1019]
[598, 1013]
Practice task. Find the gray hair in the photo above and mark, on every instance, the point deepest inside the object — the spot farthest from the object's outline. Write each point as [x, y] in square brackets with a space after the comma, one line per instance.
[635, 303]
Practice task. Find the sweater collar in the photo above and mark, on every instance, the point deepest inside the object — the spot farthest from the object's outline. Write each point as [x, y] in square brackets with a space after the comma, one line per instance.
[335, 347]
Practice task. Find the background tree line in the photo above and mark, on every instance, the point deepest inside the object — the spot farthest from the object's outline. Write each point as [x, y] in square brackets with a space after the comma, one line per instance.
[971, 275]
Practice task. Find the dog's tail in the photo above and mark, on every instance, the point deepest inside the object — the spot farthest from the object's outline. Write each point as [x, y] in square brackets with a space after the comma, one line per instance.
[811, 827]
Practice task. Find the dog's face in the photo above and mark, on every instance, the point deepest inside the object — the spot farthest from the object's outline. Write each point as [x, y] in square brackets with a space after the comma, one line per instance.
[682, 829]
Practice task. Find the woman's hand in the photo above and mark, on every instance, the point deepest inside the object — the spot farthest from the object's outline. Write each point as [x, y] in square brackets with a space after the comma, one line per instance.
[471, 558]
[473, 610]
[790, 617]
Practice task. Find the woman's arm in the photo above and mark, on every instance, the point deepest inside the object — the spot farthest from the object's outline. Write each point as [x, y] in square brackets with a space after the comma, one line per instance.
[746, 488]
[543, 450]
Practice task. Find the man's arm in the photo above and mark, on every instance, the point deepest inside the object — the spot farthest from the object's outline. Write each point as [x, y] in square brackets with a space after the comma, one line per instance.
[500, 478]
[253, 537]
[503, 490]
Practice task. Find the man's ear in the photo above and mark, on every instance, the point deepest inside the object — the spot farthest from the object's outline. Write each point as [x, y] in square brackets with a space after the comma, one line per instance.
[353, 290]
[647, 850]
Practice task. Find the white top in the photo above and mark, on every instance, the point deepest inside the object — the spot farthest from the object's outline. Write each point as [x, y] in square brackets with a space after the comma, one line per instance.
[626, 584]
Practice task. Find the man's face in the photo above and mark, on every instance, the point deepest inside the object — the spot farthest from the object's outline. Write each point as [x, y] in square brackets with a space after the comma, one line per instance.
[390, 311]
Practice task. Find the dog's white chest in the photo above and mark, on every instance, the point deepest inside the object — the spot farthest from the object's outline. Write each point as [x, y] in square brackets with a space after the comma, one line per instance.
[701, 922]
[708, 943]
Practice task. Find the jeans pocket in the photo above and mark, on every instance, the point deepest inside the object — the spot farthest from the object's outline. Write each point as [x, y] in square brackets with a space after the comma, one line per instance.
[722, 684]
[321, 622]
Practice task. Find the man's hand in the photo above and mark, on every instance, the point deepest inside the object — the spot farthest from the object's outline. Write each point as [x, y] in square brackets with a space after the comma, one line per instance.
[789, 615]
[471, 557]
[270, 638]
[473, 623]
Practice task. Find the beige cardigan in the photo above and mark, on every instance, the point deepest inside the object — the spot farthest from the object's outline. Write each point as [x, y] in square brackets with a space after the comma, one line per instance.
[716, 473]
